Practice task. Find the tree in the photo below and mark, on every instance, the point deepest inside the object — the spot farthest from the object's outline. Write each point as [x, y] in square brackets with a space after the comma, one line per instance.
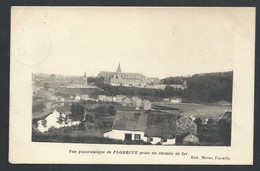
[111, 110]
[100, 82]
[77, 110]
[91, 79]
[198, 121]
[224, 131]
[35, 121]
[60, 119]
[38, 107]
[52, 76]
[44, 122]
[46, 86]
[210, 121]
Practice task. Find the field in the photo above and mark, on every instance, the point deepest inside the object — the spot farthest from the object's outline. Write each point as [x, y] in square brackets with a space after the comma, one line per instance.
[212, 111]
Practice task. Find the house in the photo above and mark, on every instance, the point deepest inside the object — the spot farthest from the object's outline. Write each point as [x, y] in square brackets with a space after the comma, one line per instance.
[137, 103]
[184, 127]
[161, 127]
[114, 98]
[155, 127]
[109, 98]
[203, 118]
[135, 98]
[159, 86]
[77, 97]
[175, 100]
[152, 80]
[190, 140]
[227, 116]
[126, 101]
[147, 105]
[56, 119]
[61, 100]
[178, 86]
[185, 124]
[156, 86]
[119, 98]
[128, 125]
[52, 97]
[102, 97]
[49, 96]
[166, 99]
[85, 97]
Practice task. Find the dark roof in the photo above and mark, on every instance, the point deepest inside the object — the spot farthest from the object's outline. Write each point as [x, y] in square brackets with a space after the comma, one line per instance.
[226, 116]
[161, 125]
[153, 123]
[126, 120]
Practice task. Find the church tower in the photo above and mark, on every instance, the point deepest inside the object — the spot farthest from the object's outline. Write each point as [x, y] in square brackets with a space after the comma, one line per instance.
[85, 79]
[119, 69]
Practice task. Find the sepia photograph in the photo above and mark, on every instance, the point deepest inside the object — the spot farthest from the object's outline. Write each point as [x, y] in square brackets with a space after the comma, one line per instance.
[132, 77]
[134, 80]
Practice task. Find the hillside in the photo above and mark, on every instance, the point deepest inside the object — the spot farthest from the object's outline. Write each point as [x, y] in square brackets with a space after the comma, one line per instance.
[201, 88]
[92, 92]
[211, 87]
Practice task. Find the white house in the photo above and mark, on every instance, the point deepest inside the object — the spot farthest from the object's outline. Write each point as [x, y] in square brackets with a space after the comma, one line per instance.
[156, 127]
[102, 97]
[77, 97]
[55, 119]
[126, 101]
[147, 105]
[175, 100]
[137, 103]
[114, 98]
[119, 98]
[85, 97]
[109, 98]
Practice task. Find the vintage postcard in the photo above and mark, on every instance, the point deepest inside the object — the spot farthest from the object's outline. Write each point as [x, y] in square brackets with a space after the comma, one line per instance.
[132, 85]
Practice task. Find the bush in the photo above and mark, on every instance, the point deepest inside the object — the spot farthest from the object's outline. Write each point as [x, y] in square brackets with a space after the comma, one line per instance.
[38, 107]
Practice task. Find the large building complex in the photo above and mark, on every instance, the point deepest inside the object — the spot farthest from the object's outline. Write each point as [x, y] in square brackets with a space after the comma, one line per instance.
[126, 79]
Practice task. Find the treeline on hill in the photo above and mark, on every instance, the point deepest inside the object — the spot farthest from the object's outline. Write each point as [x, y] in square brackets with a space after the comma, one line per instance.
[173, 80]
[201, 88]
[212, 87]
[151, 94]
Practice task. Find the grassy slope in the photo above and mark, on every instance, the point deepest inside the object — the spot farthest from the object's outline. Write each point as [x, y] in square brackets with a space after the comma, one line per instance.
[213, 111]
[92, 92]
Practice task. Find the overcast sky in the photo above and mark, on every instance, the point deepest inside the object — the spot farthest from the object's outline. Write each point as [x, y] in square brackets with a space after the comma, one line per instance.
[159, 42]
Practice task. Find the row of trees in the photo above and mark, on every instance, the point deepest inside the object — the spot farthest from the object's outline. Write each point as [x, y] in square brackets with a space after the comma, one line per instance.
[173, 80]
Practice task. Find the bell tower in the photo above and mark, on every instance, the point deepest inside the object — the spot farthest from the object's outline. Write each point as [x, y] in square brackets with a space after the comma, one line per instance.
[119, 68]
[85, 79]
